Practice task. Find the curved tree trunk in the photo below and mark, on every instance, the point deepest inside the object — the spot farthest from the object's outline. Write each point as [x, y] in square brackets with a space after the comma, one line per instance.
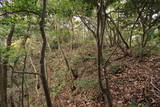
[118, 32]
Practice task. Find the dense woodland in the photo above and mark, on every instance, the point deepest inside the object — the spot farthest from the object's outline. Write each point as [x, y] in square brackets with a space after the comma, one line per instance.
[79, 53]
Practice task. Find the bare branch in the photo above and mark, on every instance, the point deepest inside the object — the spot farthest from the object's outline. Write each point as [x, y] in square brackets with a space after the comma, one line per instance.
[88, 25]
[20, 11]
[13, 71]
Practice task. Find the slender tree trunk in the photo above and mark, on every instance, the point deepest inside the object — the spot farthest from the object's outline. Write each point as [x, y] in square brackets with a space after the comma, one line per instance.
[42, 58]
[101, 25]
[73, 36]
[118, 32]
[74, 74]
[99, 36]
[2, 88]
[3, 71]
[23, 77]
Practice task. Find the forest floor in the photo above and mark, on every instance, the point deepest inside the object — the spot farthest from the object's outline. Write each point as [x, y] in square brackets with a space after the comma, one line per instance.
[133, 82]
[137, 84]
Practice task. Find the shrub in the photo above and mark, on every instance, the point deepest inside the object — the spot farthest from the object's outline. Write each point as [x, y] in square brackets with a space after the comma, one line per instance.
[89, 85]
[85, 83]
[135, 104]
[88, 71]
[59, 82]
[116, 68]
[83, 55]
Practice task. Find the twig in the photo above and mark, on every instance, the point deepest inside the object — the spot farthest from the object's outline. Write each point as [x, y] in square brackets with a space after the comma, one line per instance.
[105, 64]
[88, 26]
[155, 93]
[35, 70]
[28, 73]
[154, 86]
[20, 11]
[23, 72]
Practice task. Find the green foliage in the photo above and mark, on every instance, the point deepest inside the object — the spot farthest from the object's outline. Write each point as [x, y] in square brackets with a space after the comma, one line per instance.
[70, 8]
[88, 57]
[155, 51]
[86, 83]
[27, 4]
[117, 68]
[61, 35]
[89, 5]
[90, 85]
[138, 51]
[152, 46]
[58, 30]
[20, 31]
[115, 4]
[76, 60]
[83, 55]
[152, 49]
[14, 53]
[135, 104]
[59, 82]
[153, 32]
[2, 49]
[21, 7]
[89, 71]
[57, 88]
[131, 4]
[15, 49]
[4, 29]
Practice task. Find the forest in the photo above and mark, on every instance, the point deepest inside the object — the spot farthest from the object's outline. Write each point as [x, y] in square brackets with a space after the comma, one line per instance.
[79, 53]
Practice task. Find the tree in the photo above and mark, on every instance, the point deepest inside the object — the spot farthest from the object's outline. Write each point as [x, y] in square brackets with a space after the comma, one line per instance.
[4, 70]
[42, 63]
[98, 32]
[101, 25]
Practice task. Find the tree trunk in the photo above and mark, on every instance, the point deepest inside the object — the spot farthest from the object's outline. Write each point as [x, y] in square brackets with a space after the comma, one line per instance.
[3, 100]
[42, 61]
[118, 32]
[101, 25]
[99, 36]
[74, 74]
[3, 71]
